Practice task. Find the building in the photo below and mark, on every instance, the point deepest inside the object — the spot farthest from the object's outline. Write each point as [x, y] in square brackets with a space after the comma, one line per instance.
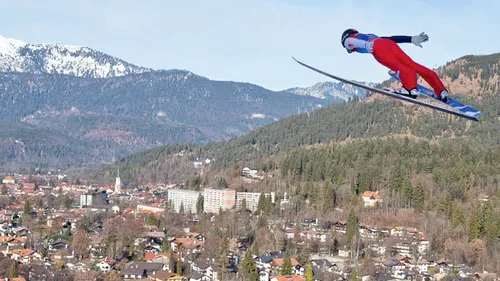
[217, 198]
[186, 198]
[251, 199]
[8, 180]
[251, 173]
[371, 198]
[153, 208]
[118, 183]
[86, 200]
[94, 200]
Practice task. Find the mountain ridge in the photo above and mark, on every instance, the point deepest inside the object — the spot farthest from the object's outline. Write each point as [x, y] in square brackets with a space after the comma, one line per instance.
[372, 118]
[55, 58]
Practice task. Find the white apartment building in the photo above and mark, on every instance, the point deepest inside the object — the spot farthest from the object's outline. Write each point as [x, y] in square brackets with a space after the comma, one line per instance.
[187, 198]
[218, 198]
[251, 198]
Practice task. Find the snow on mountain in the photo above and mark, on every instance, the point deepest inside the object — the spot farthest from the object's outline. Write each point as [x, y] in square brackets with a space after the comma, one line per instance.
[337, 92]
[53, 58]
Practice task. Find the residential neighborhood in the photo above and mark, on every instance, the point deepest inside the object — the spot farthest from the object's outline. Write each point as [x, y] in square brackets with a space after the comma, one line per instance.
[66, 231]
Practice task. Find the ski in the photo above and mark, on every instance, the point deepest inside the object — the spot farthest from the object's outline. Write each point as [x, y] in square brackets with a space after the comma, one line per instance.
[391, 94]
[467, 109]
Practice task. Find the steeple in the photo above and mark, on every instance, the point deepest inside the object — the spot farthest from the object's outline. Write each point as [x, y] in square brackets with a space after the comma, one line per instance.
[118, 183]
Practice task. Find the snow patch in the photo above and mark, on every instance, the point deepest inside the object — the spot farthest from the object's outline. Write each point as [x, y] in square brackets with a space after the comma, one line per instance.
[258, 115]
[55, 58]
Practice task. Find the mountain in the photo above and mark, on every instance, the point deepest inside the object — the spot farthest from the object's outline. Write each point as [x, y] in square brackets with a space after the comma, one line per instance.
[18, 56]
[332, 91]
[116, 116]
[370, 119]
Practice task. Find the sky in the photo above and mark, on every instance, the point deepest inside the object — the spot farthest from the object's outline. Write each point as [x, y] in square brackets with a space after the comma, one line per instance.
[253, 41]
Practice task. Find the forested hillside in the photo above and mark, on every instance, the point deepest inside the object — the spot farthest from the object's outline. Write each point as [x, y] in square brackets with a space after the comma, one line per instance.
[354, 121]
[436, 172]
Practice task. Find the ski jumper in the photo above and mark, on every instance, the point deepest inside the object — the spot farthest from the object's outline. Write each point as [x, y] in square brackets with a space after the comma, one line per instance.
[387, 52]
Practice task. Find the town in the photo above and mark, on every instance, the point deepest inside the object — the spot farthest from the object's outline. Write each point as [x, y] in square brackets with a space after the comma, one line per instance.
[56, 229]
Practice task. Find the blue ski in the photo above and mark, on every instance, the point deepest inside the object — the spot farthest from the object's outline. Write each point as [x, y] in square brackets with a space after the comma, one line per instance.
[470, 111]
[391, 94]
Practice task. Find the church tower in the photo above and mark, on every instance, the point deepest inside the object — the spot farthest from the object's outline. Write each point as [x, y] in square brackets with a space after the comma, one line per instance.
[118, 183]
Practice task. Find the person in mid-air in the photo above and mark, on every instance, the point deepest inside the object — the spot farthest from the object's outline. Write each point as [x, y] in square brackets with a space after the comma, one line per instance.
[387, 52]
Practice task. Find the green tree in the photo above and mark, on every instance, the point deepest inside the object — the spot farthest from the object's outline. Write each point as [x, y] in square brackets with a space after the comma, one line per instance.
[206, 181]
[286, 267]
[244, 207]
[171, 260]
[304, 255]
[418, 200]
[222, 260]
[249, 267]
[354, 275]
[13, 270]
[151, 220]
[352, 228]
[445, 205]
[309, 273]
[457, 217]
[131, 250]
[199, 204]
[27, 208]
[165, 246]
[221, 182]
[490, 226]
[179, 267]
[181, 209]
[329, 196]
[474, 226]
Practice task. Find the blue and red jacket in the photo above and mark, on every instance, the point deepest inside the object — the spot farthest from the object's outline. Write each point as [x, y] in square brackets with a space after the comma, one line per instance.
[363, 43]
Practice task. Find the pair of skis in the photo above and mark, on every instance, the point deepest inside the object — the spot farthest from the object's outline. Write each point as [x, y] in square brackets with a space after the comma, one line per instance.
[460, 109]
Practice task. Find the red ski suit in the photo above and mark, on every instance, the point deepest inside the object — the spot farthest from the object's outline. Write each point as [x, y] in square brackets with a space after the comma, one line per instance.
[387, 52]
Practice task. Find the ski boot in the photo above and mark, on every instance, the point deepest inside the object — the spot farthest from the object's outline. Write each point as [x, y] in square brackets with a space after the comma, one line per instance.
[443, 96]
[413, 93]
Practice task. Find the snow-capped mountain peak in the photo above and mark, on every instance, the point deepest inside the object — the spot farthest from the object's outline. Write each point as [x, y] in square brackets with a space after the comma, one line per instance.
[55, 58]
[9, 46]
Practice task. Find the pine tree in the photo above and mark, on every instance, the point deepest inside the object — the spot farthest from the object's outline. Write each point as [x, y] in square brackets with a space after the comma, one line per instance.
[474, 227]
[354, 275]
[352, 227]
[249, 267]
[457, 217]
[304, 255]
[171, 260]
[261, 203]
[222, 260]
[329, 196]
[418, 200]
[445, 205]
[179, 267]
[286, 267]
[206, 181]
[165, 246]
[131, 250]
[13, 270]
[181, 208]
[199, 204]
[309, 273]
[221, 182]
[27, 208]
[244, 207]
[490, 226]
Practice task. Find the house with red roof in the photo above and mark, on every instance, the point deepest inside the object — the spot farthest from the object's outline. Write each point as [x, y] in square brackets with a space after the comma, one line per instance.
[9, 180]
[293, 277]
[371, 198]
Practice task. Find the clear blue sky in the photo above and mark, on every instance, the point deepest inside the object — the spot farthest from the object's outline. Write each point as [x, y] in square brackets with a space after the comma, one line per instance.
[253, 41]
